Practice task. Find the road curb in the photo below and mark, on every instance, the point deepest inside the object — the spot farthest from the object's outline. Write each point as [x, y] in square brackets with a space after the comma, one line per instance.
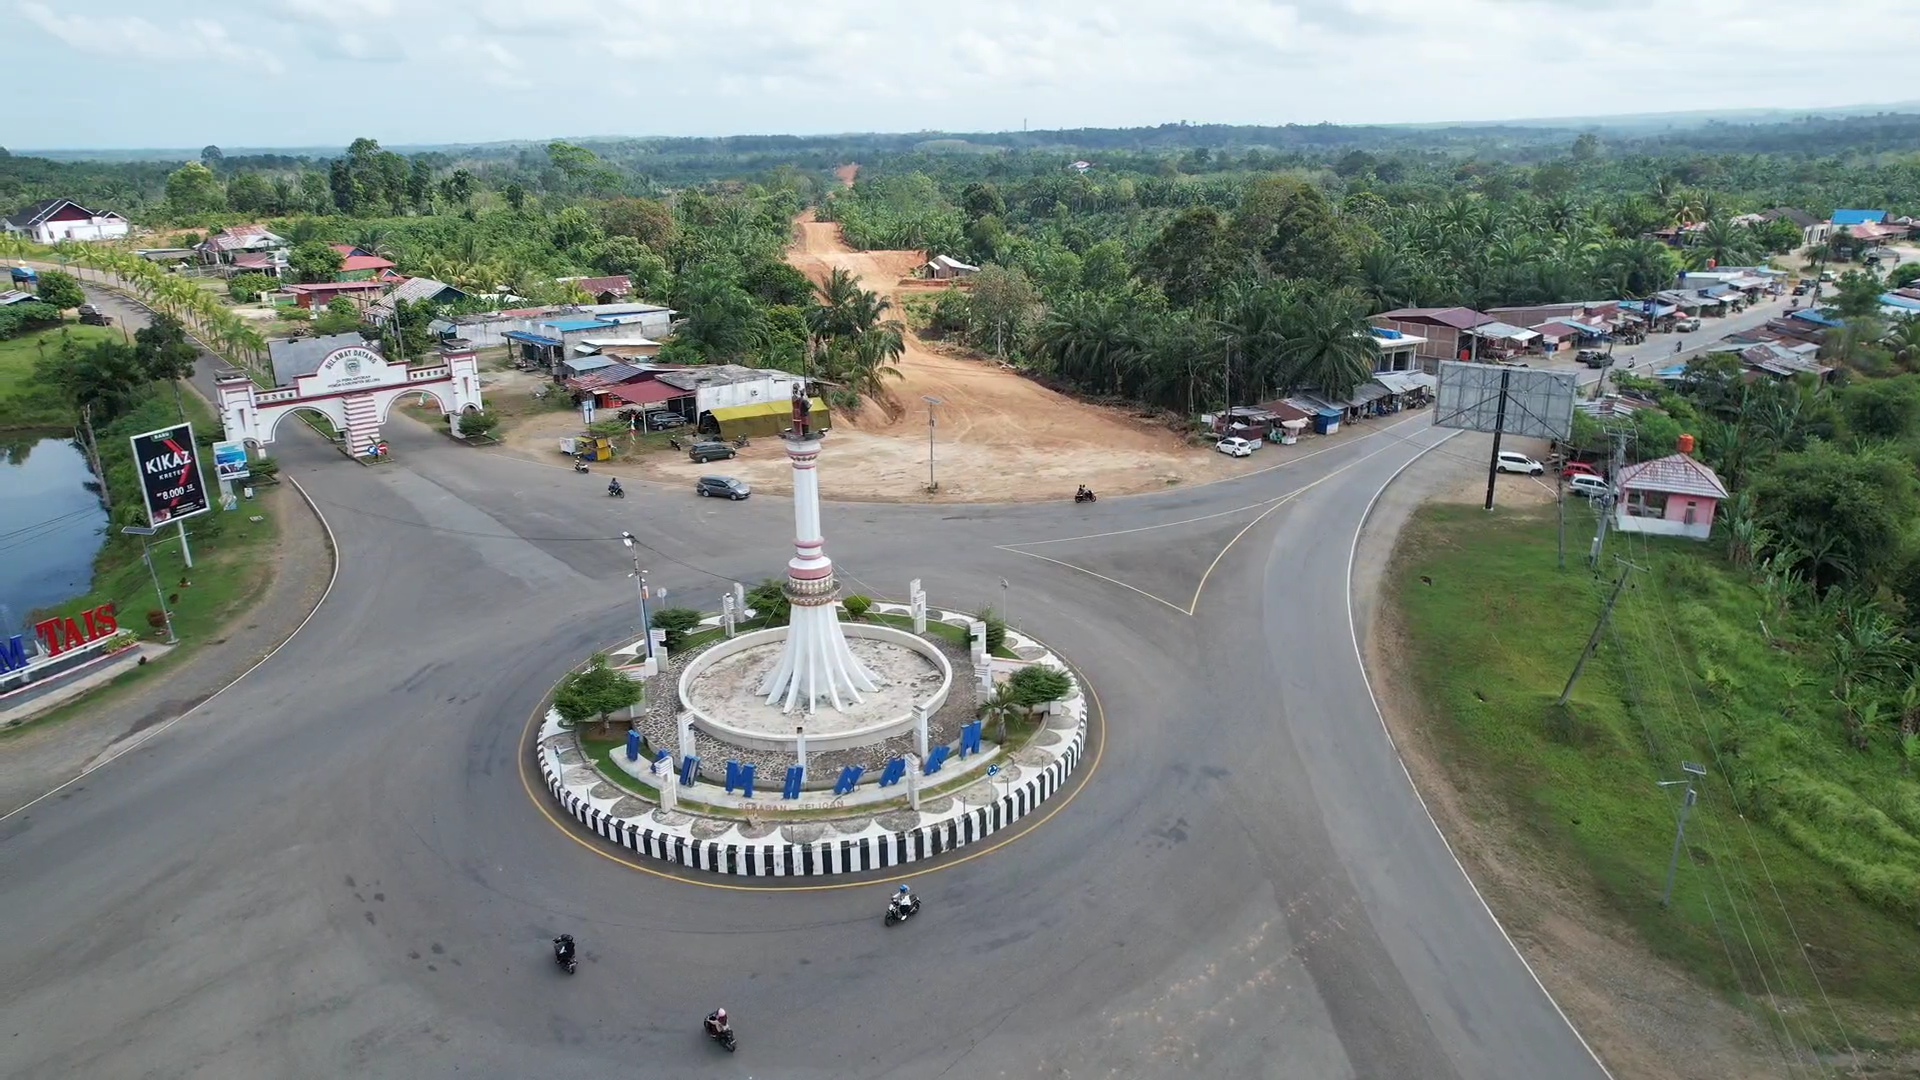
[875, 847]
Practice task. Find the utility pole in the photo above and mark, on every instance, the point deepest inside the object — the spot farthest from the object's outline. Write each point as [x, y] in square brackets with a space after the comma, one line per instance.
[932, 484]
[146, 555]
[1608, 502]
[640, 585]
[1599, 628]
[1499, 422]
[1680, 833]
[1560, 501]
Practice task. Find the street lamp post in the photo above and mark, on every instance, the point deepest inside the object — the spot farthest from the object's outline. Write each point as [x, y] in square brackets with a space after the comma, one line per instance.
[640, 584]
[146, 556]
[932, 484]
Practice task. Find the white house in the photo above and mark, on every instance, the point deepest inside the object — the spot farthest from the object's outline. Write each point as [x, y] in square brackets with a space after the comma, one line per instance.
[52, 221]
[1397, 351]
[648, 320]
[724, 386]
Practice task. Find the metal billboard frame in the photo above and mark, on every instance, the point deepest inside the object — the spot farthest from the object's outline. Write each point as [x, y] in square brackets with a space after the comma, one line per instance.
[1504, 399]
[1501, 400]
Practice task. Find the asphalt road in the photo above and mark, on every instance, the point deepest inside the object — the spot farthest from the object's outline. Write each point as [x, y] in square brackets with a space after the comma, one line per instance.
[337, 868]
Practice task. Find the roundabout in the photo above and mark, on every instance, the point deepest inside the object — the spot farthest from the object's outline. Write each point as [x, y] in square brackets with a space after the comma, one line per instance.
[884, 762]
[346, 864]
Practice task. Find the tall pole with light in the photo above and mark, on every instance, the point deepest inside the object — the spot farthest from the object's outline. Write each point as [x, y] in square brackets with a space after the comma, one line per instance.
[146, 555]
[932, 484]
[640, 585]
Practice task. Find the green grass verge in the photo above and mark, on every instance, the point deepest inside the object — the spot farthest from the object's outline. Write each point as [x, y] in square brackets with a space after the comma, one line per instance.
[944, 630]
[24, 405]
[1830, 837]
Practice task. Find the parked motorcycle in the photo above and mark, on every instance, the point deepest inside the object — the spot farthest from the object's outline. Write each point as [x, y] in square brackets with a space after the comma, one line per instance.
[741, 442]
[579, 465]
[898, 914]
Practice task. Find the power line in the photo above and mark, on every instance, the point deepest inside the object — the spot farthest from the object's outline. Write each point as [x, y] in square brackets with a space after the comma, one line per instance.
[1726, 776]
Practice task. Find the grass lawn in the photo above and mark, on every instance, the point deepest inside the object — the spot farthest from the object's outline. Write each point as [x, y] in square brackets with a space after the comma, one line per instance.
[1830, 837]
[23, 405]
[948, 631]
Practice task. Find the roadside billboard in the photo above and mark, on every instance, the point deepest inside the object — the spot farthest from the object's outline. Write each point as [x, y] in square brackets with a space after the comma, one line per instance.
[168, 464]
[230, 460]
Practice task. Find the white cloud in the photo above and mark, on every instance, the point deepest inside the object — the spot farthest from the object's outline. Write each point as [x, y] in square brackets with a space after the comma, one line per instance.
[131, 35]
[339, 12]
[846, 65]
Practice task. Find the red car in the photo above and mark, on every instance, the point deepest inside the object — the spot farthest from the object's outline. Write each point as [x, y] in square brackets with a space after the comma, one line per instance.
[1578, 468]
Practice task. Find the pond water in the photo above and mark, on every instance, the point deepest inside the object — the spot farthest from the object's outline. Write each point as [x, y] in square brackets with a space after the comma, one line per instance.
[50, 528]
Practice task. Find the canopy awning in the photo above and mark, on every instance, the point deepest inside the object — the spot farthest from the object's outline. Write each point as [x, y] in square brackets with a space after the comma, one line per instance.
[531, 338]
[1401, 382]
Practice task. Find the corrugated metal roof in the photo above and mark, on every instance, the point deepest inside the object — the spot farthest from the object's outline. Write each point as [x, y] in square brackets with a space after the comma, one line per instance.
[694, 378]
[1561, 330]
[1503, 330]
[1859, 217]
[651, 392]
[618, 284]
[1676, 474]
[569, 326]
[1400, 382]
[1459, 318]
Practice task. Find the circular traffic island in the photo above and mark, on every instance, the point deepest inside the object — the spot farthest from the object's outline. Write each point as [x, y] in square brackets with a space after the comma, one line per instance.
[716, 771]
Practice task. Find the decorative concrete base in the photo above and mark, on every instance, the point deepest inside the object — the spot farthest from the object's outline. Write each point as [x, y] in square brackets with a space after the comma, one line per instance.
[868, 838]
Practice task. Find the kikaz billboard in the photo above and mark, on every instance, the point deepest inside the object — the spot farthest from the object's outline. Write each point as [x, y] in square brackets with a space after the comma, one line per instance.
[168, 463]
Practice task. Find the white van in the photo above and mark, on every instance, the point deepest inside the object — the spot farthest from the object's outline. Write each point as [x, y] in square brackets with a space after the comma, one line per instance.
[1588, 486]
[1518, 463]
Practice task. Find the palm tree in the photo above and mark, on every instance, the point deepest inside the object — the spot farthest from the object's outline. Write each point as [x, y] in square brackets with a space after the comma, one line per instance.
[1905, 341]
[868, 364]
[1328, 344]
[1386, 276]
[844, 310]
[375, 240]
[999, 709]
[1093, 343]
[1721, 242]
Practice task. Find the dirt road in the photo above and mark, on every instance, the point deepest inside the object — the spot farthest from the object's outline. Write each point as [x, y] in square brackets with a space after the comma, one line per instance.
[998, 435]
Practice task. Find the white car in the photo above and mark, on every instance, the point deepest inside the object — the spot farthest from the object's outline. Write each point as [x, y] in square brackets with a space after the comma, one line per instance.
[1234, 446]
[1520, 463]
[1592, 487]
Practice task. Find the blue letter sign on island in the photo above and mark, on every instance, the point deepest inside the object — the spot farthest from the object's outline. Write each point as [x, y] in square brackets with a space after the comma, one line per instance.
[168, 463]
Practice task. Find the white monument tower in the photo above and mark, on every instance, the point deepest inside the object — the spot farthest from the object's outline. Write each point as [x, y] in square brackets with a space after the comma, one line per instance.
[816, 664]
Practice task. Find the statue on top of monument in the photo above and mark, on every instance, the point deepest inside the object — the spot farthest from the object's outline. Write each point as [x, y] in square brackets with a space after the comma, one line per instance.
[801, 408]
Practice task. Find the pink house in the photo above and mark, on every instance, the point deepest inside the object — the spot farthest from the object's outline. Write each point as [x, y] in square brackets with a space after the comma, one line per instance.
[1669, 496]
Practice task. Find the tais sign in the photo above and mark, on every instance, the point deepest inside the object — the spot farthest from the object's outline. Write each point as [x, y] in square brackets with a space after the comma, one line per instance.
[169, 466]
[60, 635]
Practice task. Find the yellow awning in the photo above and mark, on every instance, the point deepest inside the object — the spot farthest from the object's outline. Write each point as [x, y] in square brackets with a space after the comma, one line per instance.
[765, 408]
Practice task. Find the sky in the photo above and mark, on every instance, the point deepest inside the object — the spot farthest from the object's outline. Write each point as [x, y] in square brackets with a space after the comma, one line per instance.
[238, 73]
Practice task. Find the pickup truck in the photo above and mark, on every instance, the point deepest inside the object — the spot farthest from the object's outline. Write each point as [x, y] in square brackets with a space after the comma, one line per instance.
[1686, 326]
[1593, 358]
[93, 316]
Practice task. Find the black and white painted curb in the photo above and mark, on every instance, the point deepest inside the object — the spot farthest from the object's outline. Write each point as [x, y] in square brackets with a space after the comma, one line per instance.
[874, 847]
